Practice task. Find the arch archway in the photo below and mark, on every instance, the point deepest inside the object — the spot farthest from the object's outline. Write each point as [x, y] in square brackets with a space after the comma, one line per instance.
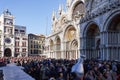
[58, 47]
[114, 24]
[92, 42]
[58, 43]
[51, 47]
[77, 8]
[51, 44]
[93, 35]
[74, 49]
[74, 44]
[109, 19]
[69, 35]
[7, 52]
[112, 34]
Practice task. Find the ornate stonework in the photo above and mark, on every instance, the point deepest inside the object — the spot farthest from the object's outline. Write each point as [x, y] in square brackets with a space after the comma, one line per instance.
[99, 29]
[100, 11]
[64, 42]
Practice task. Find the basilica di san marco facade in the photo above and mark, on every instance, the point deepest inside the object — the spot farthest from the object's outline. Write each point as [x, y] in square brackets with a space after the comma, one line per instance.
[100, 30]
[64, 40]
[89, 27]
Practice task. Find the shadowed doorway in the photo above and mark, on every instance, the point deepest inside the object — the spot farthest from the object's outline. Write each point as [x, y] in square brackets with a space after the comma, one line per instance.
[7, 52]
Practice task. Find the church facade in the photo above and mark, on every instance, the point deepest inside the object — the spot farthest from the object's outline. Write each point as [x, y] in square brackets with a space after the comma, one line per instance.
[64, 40]
[100, 29]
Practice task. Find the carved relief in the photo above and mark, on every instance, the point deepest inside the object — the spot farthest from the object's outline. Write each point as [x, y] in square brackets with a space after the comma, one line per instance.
[63, 20]
[101, 10]
[78, 9]
[95, 3]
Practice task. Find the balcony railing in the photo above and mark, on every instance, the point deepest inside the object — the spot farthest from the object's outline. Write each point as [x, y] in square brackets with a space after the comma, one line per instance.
[111, 38]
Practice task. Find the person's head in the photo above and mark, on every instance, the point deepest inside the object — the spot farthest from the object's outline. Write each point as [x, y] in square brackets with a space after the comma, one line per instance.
[60, 74]
[100, 75]
[106, 74]
[52, 78]
[91, 72]
[95, 68]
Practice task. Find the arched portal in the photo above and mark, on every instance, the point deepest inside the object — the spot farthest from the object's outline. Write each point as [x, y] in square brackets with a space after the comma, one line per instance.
[93, 35]
[112, 36]
[58, 47]
[114, 24]
[7, 52]
[58, 43]
[51, 47]
[92, 41]
[78, 8]
[51, 44]
[70, 35]
[74, 49]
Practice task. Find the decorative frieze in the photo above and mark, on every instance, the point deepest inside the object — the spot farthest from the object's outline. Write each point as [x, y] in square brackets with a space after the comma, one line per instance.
[106, 8]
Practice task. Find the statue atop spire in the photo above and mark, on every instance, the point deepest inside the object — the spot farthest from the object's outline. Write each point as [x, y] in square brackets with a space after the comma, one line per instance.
[7, 12]
[60, 10]
[53, 16]
[68, 3]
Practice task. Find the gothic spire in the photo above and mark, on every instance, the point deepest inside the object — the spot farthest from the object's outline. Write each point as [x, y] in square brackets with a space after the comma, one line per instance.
[53, 15]
[60, 10]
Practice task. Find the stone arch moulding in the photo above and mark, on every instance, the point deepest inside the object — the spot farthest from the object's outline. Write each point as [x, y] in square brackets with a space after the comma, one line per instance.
[51, 42]
[67, 28]
[72, 42]
[109, 19]
[87, 26]
[74, 4]
[57, 37]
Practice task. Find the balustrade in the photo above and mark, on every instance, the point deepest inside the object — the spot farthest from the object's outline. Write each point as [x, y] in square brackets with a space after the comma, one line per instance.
[109, 46]
[111, 38]
[91, 53]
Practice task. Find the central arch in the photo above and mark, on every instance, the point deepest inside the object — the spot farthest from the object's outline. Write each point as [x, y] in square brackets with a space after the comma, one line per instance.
[77, 8]
[93, 35]
[69, 35]
[7, 52]
[114, 24]
[92, 41]
[112, 33]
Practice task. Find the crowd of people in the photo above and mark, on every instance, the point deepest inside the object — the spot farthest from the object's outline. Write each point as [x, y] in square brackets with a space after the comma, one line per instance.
[60, 69]
[45, 69]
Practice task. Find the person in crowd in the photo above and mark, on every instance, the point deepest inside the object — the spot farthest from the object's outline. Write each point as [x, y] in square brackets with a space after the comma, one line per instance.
[60, 69]
[90, 75]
